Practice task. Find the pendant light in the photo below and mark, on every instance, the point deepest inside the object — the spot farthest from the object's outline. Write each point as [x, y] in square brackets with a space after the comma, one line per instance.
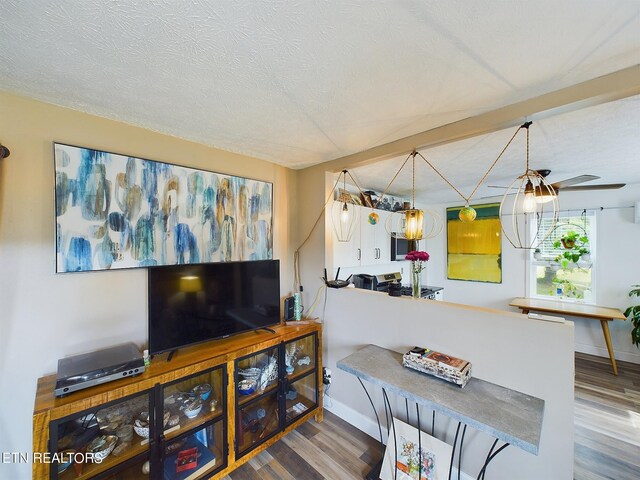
[413, 216]
[412, 223]
[528, 199]
[344, 213]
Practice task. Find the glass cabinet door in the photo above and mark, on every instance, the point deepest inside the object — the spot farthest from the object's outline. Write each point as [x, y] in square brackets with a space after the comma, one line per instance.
[257, 407]
[300, 396]
[257, 421]
[256, 375]
[94, 441]
[300, 356]
[196, 454]
[301, 385]
[193, 401]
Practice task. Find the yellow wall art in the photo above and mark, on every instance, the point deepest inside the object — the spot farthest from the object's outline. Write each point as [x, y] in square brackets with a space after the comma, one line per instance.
[474, 249]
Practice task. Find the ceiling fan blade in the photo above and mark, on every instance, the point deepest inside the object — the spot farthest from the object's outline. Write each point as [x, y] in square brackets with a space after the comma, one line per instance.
[603, 186]
[561, 185]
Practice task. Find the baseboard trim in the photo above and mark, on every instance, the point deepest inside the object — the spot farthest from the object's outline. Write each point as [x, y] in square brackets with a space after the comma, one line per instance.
[603, 352]
[368, 426]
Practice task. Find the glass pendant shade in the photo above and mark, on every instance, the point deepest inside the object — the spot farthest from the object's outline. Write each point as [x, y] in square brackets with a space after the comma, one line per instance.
[522, 204]
[344, 216]
[413, 224]
[414, 219]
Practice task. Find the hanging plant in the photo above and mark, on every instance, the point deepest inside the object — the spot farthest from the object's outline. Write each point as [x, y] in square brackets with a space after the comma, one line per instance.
[575, 246]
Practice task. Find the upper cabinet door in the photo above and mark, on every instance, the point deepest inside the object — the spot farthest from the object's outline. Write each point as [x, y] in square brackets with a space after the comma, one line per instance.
[375, 241]
[383, 239]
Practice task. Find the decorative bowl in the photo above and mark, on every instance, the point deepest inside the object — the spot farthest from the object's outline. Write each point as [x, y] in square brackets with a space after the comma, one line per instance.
[247, 387]
[203, 391]
[192, 409]
[102, 446]
[141, 425]
[249, 373]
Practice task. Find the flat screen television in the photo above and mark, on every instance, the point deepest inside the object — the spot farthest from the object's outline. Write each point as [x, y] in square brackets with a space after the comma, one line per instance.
[189, 304]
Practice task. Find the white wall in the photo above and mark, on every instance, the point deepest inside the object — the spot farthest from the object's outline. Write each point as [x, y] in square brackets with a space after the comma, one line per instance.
[530, 356]
[618, 267]
[46, 316]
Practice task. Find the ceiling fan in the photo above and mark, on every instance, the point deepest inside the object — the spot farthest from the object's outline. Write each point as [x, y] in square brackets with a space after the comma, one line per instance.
[571, 184]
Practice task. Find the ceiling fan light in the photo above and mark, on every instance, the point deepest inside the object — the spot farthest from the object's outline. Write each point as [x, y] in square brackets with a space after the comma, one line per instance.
[545, 193]
[545, 197]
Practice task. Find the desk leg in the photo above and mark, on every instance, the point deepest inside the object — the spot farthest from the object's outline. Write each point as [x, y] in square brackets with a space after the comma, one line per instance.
[607, 339]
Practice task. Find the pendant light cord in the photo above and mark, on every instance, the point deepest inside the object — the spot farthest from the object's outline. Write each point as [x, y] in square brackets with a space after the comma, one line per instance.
[297, 278]
[413, 180]
[296, 255]
[468, 199]
[412, 154]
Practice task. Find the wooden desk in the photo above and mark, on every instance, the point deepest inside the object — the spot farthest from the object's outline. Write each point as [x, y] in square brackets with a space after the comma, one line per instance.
[604, 314]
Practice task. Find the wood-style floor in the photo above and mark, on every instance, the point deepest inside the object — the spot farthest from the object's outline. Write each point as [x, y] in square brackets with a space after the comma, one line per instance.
[607, 420]
[332, 450]
[607, 435]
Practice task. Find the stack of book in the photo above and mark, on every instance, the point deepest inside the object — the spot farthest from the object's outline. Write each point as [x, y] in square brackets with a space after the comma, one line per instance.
[451, 369]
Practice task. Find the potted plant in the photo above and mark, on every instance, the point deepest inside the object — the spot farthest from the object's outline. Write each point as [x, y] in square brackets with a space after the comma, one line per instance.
[570, 240]
[575, 246]
[537, 254]
[633, 314]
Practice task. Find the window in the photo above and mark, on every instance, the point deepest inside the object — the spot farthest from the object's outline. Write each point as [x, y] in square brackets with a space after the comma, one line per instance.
[563, 272]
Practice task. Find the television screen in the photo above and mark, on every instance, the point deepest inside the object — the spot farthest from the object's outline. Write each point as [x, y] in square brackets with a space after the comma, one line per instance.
[194, 303]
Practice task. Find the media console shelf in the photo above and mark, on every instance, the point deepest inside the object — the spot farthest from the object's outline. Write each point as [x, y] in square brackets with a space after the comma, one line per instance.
[507, 415]
[226, 425]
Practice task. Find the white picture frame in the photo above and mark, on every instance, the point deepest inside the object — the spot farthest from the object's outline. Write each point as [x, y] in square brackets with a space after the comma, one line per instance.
[436, 455]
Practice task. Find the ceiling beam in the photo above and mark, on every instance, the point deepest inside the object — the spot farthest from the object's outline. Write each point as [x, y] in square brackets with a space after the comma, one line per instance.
[614, 86]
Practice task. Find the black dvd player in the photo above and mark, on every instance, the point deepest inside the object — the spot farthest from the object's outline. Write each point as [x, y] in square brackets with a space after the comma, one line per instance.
[89, 369]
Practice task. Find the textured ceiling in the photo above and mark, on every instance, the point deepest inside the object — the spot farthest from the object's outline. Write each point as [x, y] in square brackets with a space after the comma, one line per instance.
[603, 140]
[300, 83]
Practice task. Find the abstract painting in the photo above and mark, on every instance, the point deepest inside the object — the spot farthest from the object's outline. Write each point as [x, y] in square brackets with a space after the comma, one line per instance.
[115, 211]
[428, 459]
[474, 249]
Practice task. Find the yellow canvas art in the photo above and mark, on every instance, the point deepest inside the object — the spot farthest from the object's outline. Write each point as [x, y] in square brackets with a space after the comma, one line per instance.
[474, 249]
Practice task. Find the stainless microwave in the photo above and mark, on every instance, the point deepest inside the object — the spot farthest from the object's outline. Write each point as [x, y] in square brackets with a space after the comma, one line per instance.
[399, 248]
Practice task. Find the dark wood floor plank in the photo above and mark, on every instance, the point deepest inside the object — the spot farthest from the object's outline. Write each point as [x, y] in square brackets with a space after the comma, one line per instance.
[245, 472]
[293, 462]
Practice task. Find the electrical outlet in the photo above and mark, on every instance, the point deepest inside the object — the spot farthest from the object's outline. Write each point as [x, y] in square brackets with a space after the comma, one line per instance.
[326, 376]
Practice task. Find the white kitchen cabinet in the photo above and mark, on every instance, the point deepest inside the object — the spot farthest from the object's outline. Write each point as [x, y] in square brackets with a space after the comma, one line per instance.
[369, 245]
[375, 242]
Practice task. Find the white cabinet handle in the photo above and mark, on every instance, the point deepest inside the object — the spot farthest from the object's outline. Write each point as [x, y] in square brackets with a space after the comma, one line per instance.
[359, 254]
